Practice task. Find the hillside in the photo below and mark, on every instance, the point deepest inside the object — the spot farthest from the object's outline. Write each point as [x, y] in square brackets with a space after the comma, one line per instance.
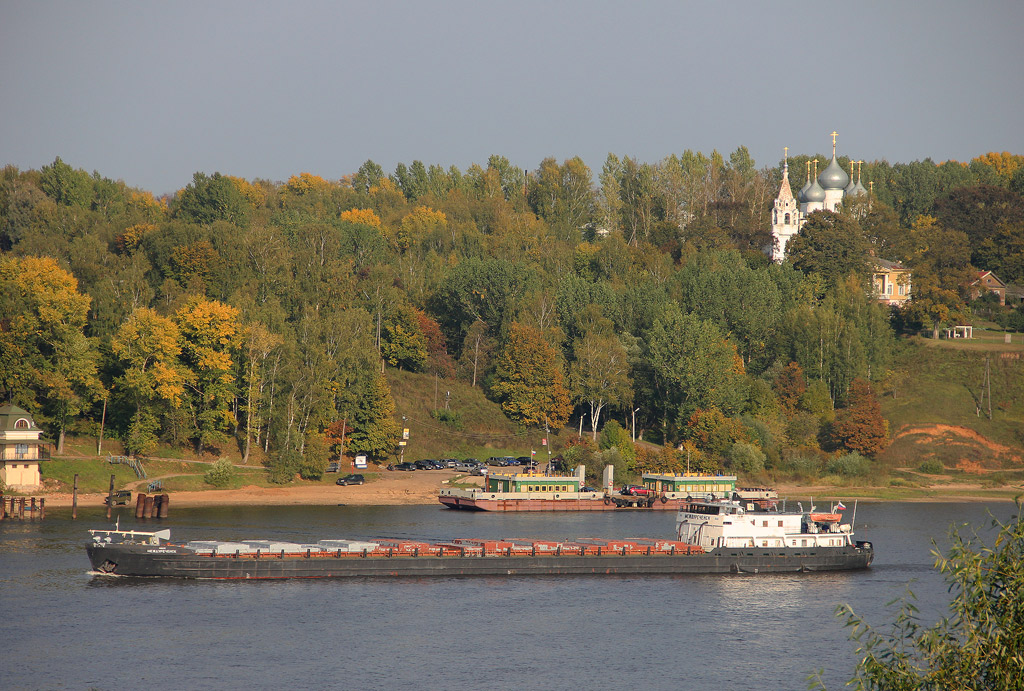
[453, 419]
[937, 406]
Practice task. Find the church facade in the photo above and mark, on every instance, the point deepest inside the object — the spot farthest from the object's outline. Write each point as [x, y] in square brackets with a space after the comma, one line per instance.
[821, 192]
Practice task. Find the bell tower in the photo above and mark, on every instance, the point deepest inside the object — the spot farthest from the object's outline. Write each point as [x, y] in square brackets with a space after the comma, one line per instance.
[785, 216]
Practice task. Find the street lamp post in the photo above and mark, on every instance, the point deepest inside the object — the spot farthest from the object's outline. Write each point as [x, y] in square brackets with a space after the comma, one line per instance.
[634, 424]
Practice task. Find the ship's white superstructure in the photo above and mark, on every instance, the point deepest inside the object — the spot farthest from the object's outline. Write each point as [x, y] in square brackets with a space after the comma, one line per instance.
[732, 524]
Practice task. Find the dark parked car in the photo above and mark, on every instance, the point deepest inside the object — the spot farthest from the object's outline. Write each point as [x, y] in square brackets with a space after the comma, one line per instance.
[588, 488]
[353, 479]
[450, 462]
[408, 465]
[426, 464]
[524, 460]
[333, 467]
[636, 490]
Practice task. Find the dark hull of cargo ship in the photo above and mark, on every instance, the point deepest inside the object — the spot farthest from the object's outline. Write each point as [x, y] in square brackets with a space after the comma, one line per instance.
[174, 562]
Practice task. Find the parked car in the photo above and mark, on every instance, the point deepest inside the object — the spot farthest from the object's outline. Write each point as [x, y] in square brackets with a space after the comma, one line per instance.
[479, 470]
[351, 479]
[524, 460]
[426, 464]
[408, 465]
[588, 488]
[465, 467]
[636, 490]
[120, 497]
[495, 460]
[333, 467]
[450, 462]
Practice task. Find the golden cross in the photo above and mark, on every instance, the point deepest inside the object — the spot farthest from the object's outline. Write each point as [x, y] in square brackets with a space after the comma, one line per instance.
[786, 150]
[834, 135]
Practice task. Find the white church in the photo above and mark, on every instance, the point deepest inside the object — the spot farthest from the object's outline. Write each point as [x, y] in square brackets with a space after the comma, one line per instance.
[825, 191]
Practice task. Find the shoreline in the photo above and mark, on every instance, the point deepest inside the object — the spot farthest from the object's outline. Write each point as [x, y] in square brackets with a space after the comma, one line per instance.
[403, 489]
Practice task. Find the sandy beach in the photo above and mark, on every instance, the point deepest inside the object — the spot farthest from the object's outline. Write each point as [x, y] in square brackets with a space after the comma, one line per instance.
[391, 488]
[421, 487]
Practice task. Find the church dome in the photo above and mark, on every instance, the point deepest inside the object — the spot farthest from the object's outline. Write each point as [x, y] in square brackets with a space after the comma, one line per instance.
[802, 194]
[814, 193]
[858, 190]
[833, 177]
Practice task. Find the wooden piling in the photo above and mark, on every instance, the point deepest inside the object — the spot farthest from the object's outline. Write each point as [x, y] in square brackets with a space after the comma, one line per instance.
[74, 499]
[21, 508]
[110, 498]
[165, 504]
[140, 505]
[42, 508]
[149, 507]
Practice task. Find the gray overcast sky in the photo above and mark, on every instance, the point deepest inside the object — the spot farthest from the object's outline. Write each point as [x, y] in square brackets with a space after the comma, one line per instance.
[151, 92]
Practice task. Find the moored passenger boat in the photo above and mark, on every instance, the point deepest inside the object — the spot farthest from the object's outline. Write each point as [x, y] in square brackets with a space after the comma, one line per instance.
[720, 536]
[533, 491]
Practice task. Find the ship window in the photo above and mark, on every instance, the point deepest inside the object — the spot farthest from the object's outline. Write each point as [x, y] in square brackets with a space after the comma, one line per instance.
[780, 524]
[765, 524]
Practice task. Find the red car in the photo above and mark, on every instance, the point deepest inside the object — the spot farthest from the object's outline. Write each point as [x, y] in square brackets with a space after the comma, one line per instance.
[636, 490]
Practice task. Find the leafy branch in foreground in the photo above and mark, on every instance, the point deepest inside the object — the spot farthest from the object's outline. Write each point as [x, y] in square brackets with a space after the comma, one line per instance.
[979, 646]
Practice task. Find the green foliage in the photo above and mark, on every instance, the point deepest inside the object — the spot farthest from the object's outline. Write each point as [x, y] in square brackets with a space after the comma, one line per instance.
[746, 458]
[849, 465]
[448, 417]
[932, 466]
[221, 474]
[978, 646]
[831, 245]
[65, 185]
[210, 198]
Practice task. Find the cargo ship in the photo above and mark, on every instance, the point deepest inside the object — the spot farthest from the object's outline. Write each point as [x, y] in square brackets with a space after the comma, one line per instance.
[532, 491]
[712, 536]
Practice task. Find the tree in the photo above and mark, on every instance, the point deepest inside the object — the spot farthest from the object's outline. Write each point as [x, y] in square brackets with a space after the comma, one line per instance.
[694, 365]
[374, 430]
[831, 245]
[210, 198]
[42, 335]
[978, 646]
[208, 336]
[528, 381]
[860, 426]
[790, 385]
[599, 374]
[65, 185]
[152, 378]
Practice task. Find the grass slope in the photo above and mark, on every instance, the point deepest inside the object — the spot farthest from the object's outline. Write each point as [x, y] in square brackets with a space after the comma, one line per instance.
[476, 428]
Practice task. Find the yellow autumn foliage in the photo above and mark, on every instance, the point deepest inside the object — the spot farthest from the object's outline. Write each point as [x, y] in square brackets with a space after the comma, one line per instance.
[365, 216]
[1004, 163]
[305, 183]
[253, 194]
[129, 240]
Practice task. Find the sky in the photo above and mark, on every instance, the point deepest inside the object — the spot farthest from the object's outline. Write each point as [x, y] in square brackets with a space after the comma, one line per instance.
[152, 92]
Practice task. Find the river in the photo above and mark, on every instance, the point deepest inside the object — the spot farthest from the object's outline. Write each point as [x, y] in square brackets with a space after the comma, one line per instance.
[63, 628]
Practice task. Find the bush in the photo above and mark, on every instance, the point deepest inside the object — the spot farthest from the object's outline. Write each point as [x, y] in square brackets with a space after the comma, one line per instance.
[447, 417]
[849, 465]
[746, 458]
[281, 468]
[804, 462]
[221, 474]
[932, 466]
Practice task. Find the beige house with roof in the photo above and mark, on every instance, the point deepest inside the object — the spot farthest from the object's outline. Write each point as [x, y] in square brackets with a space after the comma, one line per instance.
[891, 282]
[21, 449]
